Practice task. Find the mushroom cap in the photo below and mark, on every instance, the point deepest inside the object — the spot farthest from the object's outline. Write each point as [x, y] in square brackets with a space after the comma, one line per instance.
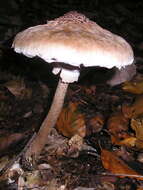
[75, 40]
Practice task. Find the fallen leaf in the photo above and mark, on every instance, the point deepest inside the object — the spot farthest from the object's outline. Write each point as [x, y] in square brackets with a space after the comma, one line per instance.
[89, 90]
[3, 162]
[123, 153]
[137, 141]
[117, 166]
[75, 145]
[137, 106]
[18, 88]
[118, 127]
[139, 144]
[137, 126]
[129, 142]
[33, 179]
[95, 124]
[134, 110]
[127, 111]
[134, 86]
[140, 157]
[140, 188]
[8, 139]
[71, 121]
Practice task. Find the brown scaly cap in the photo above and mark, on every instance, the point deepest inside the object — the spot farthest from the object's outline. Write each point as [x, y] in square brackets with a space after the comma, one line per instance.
[74, 39]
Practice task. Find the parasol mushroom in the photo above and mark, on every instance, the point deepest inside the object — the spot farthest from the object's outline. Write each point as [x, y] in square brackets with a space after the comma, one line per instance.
[73, 41]
[122, 75]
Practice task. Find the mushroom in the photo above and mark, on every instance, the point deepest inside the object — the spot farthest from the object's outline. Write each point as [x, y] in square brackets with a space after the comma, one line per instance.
[72, 41]
[122, 75]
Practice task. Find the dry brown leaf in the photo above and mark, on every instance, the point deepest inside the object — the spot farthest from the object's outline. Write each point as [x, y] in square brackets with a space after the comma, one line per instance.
[139, 144]
[134, 110]
[95, 124]
[33, 179]
[137, 126]
[140, 188]
[117, 123]
[3, 162]
[18, 88]
[9, 139]
[135, 86]
[117, 166]
[118, 127]
[138, 106]
[129, 141]
[127, 111]
[71, 121]
[75, 145]
[137, 141]
[89, 90]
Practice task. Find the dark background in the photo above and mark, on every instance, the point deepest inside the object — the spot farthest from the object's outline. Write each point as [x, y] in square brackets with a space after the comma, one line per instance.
[122, 17]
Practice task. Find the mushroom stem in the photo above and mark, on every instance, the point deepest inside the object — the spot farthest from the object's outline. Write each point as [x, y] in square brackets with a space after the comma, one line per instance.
[40, 140]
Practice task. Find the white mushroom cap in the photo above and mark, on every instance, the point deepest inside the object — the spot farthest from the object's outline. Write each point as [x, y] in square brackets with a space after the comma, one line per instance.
[75, 40]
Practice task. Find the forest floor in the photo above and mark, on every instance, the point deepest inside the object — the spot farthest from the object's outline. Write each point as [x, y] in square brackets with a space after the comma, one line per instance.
[110, 119]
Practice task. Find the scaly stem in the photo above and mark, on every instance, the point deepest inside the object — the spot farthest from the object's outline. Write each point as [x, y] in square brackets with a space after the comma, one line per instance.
[49, 122]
